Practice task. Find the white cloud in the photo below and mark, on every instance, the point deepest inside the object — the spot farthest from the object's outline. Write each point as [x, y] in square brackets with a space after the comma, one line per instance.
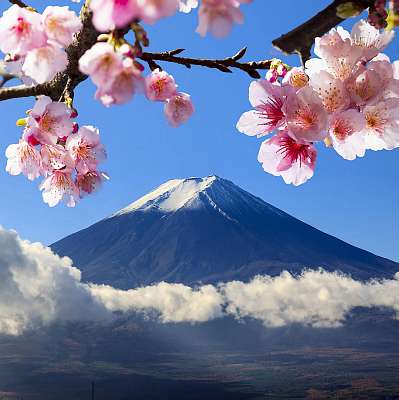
[315, 298]
[37, 288]
[174, 302]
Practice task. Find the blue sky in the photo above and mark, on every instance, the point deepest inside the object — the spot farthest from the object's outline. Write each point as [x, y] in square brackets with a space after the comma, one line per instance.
[356, 201]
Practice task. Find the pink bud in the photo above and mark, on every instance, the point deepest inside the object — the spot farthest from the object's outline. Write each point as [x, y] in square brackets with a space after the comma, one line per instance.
[74, 113]
[178, 109]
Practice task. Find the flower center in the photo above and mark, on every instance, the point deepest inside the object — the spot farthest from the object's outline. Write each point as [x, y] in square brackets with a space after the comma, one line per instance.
[375, 122]
[342, 129]
[22, 27]
[271, 112]
[294, 151]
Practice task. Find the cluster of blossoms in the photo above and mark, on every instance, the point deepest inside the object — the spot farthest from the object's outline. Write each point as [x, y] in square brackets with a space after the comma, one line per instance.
[348, 98]
[35, 43]
[216, 16]
[117, 76]
[54, 147]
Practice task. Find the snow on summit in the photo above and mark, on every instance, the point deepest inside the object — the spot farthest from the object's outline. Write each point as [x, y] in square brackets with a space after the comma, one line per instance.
[172, 195]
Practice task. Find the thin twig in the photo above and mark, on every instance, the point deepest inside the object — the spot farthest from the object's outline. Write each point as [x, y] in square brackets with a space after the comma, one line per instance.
[224, 64]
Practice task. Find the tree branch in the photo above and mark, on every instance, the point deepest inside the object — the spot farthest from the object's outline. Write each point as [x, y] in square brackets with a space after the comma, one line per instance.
[15, 92]
[224, 64]
[301, 39]
[71, 77]
[18, 3]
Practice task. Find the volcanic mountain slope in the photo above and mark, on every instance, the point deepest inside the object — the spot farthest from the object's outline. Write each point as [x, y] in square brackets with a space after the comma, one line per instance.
[207, 230]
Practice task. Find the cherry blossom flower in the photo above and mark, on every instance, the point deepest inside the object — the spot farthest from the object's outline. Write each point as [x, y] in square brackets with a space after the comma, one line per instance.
[347, 135]
[20, 31]
[369, 39]
[85, 149]
[59, 186]
[43, 63]
[186, 6]
[102, 63]
[49, 120]
[268, 101]
[282, 156]
[151, 11]
[111, 14]
[160, 86]
[23, 158]
[331, 91]
[178, 109]
[60, 24]
[382, 125]
[218, 16]
[90, 182]
[305, 115]
[55, 157]
[123, 86]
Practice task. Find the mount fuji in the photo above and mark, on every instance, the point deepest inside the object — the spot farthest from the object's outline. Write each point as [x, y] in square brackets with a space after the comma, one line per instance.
[207, 230]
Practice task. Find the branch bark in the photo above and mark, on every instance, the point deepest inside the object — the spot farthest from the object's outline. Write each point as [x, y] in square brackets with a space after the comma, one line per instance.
[301, 39]
[18, 3]
[224, 64]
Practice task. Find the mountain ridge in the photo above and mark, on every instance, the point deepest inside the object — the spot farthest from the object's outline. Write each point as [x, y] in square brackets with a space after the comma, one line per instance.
[208, 230]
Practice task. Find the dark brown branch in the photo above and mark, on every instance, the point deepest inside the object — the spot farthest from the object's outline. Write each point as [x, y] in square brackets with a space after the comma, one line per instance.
[15, 92]
[18, 3]
[67, 79]
[301, 39]
[224, 64]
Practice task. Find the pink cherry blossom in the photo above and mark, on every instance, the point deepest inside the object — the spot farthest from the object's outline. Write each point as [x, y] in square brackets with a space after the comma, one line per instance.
[102, 63]
[111, 14]
[49, 120]
[160, 86]
[59, 186]
[43, 63]
[152, 10]
[347, 135]
[382, 125]
[369, 39]
[331, 91]
[55, 157]
[60, 24]
[23, 158]
[123, 86]
[90, 182]
[338, 55]
[218, 17]
[178, 109]
[334, 43]
[20, 31]
[306, 116]
[268, 101]
[283, 156]
[85, 149]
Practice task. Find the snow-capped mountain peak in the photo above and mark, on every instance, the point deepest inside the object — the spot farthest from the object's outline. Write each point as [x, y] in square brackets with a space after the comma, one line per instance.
[173, 195]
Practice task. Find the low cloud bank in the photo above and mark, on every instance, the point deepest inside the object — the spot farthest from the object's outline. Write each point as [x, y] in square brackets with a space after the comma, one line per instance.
[38, 288]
